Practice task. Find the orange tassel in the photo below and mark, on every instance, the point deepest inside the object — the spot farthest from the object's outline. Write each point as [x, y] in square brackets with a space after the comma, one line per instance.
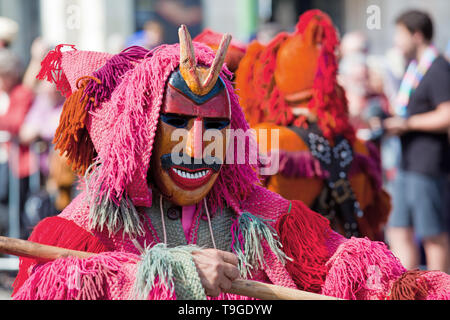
[409, 286]
[72, 137]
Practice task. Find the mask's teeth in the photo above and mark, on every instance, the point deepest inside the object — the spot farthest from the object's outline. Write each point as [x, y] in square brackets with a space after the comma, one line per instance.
[190, 175]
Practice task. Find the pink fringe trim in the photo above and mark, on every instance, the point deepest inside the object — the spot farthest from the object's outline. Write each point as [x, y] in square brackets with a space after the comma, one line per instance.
[74, 279]
[438, 285]
[361, 269]
[161, 292]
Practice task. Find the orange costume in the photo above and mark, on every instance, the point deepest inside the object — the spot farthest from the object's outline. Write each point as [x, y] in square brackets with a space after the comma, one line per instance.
[290, 85]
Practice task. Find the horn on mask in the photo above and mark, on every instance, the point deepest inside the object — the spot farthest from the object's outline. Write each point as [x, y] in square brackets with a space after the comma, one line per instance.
[200, 79]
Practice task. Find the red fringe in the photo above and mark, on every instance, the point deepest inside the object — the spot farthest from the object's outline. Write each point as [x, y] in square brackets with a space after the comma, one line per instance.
[303, 234]
[72, 137]
[410, 286]
[58, 232]
[51, 70]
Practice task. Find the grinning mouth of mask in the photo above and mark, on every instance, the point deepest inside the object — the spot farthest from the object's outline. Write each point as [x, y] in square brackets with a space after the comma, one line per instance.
[187, 173]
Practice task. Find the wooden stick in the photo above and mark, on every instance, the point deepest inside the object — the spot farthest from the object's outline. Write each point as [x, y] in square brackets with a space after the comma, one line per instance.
[265, 291]
[28, 249]
[254, 289]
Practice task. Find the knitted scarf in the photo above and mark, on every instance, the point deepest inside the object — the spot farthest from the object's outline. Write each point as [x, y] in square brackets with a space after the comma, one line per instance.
[411, 79]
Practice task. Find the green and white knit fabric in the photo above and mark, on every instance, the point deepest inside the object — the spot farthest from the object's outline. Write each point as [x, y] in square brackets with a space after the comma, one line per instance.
[161, 265]
[103, 212]
[249, 233]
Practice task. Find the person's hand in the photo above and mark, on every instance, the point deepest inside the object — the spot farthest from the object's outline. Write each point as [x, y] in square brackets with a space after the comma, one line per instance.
[217, 270]
[395, 125]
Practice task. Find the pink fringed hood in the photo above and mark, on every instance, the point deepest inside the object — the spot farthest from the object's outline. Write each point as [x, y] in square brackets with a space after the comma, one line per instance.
[123, 97]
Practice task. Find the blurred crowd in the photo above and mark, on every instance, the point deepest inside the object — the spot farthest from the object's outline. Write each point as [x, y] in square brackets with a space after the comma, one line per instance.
[29, 116]
[401, 101]
[30, 109]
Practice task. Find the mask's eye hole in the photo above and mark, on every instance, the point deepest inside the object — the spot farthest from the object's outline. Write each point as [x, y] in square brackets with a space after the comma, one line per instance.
[175, 120]
[217, 124]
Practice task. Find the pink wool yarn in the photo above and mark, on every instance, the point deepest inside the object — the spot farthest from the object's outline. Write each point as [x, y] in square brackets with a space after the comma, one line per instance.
[122, 130]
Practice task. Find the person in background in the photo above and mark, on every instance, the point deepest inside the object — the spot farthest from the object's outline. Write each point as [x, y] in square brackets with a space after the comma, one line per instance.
[15, 102]
[424, 109]
[171, 13]
[149, 37]
[37, 131]
[366, 106]
[354, 42]
[8, 32]
[39, 49]
[15, 98]
[364, 87]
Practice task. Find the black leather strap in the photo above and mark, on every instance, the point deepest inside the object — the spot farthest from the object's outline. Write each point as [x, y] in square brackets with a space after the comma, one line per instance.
[337, 200]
